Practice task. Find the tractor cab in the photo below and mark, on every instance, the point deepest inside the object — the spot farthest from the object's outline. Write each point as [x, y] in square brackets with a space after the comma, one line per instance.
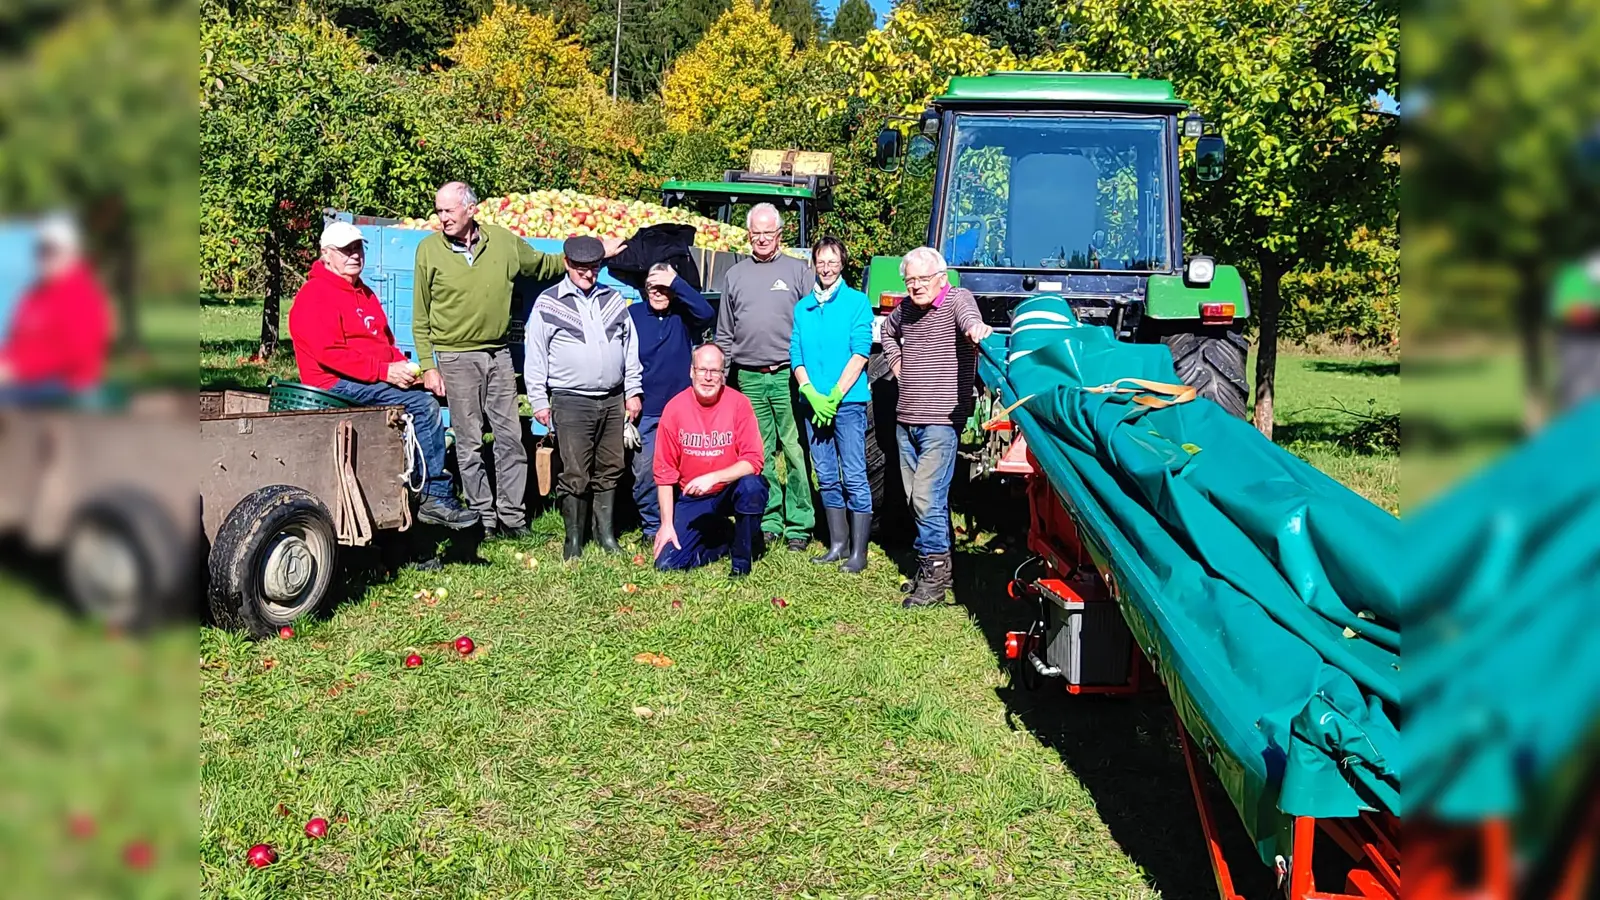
[1067, 184]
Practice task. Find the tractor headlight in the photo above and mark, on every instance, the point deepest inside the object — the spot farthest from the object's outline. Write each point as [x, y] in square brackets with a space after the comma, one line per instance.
[1200, 270]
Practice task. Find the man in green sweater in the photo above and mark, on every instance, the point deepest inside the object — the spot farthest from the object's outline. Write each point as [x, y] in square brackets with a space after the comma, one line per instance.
[461, 318]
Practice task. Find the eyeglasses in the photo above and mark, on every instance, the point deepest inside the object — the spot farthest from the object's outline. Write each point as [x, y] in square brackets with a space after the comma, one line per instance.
[922, 279]
[706, 373]
[764, 234]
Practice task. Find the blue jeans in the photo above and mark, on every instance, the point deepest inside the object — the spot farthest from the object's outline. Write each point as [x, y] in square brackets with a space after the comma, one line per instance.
[927, 463]
[644, 477]
[424, 410]
[839, 457]
[40, 394]
[705, 533]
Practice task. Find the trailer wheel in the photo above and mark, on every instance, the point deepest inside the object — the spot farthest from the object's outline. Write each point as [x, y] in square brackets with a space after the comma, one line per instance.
[1578, 369]
[1213, 362]
[272, 561]
[124, 561]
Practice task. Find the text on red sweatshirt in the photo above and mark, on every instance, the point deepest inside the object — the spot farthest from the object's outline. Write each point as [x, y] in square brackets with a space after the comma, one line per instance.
[694, 439]
[339, 331]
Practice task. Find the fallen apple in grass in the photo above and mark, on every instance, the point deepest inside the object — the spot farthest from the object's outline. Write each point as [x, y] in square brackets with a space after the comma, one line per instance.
[138, 855]
[286, 632]
[261, 856]
[317, 828]
[779, 602]
[413, 661]
[464, 645]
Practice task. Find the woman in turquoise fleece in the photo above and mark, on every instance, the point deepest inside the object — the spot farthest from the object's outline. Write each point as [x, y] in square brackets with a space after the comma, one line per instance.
[828, 352]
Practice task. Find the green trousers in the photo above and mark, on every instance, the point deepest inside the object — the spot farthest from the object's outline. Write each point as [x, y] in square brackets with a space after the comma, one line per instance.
[789, 511]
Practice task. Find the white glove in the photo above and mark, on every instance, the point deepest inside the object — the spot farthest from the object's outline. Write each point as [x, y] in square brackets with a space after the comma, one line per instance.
[630, 436]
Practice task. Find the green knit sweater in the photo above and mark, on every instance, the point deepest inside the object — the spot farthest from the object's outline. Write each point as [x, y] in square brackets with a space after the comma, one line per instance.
[458, 307]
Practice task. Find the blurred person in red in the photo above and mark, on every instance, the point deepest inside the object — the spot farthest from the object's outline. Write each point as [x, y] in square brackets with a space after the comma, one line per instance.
[61, 332]
[343, 344]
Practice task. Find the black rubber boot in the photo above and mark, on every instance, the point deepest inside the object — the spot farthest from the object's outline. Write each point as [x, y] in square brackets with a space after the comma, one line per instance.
[838, 536]
[860, 531]
[933, 579]
[575, 515]
[605, 507]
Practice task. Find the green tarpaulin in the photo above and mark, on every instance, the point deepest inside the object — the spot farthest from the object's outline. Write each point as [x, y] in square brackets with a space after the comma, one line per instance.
[1501, 584]
[1262, 590]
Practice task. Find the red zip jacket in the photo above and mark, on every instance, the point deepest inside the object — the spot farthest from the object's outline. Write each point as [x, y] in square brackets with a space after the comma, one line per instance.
[339, 331]
[61, 331]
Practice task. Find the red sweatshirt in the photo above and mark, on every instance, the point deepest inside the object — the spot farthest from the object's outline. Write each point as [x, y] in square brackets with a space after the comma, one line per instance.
[61, 331]
[339, 331]
[693, 439]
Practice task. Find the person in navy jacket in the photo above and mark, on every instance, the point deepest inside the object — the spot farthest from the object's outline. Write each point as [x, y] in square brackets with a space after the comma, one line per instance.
[669, 325]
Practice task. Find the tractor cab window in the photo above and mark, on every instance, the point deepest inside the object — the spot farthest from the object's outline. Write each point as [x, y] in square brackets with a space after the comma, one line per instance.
[1067, 192]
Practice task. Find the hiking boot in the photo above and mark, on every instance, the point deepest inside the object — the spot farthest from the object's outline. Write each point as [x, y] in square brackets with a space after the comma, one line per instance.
[605, 507]
[933, 579]
[798, 545]
[445, 511]
[512, 532]
[575, 516]
[860, 530]
[838, 536]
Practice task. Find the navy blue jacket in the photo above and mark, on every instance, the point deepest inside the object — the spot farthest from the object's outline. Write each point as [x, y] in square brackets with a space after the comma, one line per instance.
[666, 342]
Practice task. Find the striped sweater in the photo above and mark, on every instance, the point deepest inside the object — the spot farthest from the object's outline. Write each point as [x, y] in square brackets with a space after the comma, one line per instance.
[937, 362]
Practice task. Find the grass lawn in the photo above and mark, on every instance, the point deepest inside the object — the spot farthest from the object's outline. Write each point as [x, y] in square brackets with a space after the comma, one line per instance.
[835, 746]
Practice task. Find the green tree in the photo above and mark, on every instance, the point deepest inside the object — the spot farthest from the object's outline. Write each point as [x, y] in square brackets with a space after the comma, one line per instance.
[852, 21]
[406, 32]
[1026, 27]
[802, 19]
[1494, 199]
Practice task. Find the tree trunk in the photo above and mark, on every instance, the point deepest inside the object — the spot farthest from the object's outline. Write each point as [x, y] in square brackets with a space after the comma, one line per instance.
[1533, 318]
[1268, 302]
[271, 303]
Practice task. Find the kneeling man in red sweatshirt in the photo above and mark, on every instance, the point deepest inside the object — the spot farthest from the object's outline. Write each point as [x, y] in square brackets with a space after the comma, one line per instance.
[708, 468]
[342, 344]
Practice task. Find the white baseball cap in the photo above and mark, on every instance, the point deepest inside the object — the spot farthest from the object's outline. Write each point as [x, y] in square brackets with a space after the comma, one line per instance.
[340, 234]
[60, 233]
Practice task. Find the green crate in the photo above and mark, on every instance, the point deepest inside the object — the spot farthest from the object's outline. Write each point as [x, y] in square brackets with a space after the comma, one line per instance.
[286, 396]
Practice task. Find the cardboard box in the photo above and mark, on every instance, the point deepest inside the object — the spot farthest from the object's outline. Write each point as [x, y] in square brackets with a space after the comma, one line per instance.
[790, 162]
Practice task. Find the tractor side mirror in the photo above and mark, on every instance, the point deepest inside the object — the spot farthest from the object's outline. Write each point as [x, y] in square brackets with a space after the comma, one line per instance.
[1208, 155]
[887, 153]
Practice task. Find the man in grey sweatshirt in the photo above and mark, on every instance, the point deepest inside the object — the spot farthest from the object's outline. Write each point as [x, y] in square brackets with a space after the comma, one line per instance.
[582, 372]
[753, 329]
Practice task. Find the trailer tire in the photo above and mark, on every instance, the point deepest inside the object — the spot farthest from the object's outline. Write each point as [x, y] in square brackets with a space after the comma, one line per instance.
[272, 561]
[124, 563]
[1213, 362]
[1578, 368]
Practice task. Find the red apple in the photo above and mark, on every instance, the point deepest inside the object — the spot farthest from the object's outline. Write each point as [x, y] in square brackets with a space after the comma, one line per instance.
[138, 855]
[677, 604]
[317, 828]
[464, 645]
[413, 661]
[81, 826]
[261, 856]
[286, 632]
[779, 602]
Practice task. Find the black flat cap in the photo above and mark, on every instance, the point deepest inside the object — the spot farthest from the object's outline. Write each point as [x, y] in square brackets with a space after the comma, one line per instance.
[581, 250]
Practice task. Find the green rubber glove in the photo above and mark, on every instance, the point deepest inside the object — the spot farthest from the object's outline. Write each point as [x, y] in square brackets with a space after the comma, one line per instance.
[814, 397]
[835, 397]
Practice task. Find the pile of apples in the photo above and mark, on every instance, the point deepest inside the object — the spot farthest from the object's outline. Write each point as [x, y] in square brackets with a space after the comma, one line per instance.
[561, 214]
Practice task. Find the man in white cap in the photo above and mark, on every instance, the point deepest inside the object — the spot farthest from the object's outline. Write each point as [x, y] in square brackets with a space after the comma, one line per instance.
[342, 344]
[60, 334]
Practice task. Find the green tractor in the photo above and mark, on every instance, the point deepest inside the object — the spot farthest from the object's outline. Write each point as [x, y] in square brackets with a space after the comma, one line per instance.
[1068, 184]
[1575, 304]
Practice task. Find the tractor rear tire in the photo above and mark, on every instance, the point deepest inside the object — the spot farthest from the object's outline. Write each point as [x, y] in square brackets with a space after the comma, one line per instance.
[1578, 372]
[1213, 362]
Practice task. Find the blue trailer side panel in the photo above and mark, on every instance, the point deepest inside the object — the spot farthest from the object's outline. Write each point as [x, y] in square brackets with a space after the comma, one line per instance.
[17, 270]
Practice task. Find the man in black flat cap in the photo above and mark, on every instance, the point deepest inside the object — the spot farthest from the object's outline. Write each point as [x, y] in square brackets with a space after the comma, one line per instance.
[583, 376]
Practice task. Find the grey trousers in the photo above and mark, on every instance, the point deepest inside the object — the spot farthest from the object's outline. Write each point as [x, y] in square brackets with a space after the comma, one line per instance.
[481, 385]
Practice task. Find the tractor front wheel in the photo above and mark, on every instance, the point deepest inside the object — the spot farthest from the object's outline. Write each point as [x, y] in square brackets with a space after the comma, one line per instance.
[1213, 362]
